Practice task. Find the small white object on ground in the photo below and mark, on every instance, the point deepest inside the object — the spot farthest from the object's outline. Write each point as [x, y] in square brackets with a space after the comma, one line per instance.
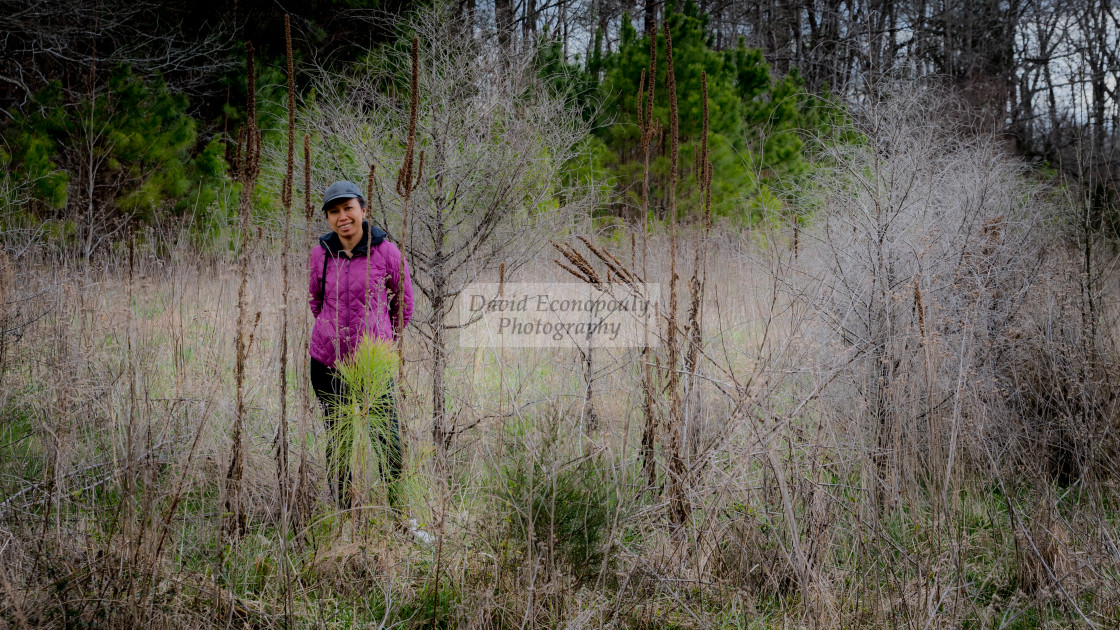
[420, 534]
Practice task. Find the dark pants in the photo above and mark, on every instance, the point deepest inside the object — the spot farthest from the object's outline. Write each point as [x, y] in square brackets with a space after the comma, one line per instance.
[328, 389]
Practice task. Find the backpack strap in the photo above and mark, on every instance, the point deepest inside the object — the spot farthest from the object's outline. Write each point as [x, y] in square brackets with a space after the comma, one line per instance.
[323, 278]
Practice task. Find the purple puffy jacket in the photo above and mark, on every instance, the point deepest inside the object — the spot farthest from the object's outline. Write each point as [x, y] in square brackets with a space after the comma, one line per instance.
[352, 296]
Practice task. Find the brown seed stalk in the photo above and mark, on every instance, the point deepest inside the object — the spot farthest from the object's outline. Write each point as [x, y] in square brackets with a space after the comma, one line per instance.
[289, 176]
[406, 185]
[579, 262]
[579, 275]
[679, 508]
[250, 167]
[649, 415]
[609, 261]
[631, 275]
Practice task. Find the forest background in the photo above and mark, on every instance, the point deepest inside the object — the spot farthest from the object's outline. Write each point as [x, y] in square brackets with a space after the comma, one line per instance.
[882, 389]
[122, 112]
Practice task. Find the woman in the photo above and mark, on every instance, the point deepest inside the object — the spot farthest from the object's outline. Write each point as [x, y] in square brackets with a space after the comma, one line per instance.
[358, 285]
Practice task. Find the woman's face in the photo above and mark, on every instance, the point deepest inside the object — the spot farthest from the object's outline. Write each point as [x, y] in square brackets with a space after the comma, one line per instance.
[345, 218]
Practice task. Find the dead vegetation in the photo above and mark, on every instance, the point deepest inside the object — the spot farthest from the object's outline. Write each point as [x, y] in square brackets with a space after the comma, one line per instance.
[908, 421]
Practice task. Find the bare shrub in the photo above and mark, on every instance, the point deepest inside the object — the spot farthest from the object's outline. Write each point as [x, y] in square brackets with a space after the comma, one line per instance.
[495, 139]
[926, 246]
[952, 348]
[1059, 382]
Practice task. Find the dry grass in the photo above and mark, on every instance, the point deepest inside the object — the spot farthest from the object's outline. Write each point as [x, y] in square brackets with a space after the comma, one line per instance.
[117, 533]
[808, 506]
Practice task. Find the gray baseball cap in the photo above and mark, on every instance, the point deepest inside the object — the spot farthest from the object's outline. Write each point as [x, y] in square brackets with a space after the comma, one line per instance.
[339, 191]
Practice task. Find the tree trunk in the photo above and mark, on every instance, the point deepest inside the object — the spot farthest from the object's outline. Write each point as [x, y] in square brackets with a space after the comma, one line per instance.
[529, 22]
[650, 23]
[564, 25]
[466, 13]
[503, 13]
[440, 432]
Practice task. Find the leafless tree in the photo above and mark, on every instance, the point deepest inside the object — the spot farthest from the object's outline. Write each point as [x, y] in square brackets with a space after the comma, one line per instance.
[19, 304]
[922, 258]
[60, 41]
[496, 141]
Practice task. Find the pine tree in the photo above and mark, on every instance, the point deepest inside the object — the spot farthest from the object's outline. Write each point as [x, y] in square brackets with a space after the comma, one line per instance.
[753, 120]
[127, 149]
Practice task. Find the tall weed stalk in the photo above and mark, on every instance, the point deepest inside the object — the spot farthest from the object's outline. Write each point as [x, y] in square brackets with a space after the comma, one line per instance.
[250, 168]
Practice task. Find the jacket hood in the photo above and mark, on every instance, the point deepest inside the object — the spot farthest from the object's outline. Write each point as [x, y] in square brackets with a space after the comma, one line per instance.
[372, 236]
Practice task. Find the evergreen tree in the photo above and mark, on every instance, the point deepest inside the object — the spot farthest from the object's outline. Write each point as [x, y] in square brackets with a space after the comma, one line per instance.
[753, 119]
[128, 149]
